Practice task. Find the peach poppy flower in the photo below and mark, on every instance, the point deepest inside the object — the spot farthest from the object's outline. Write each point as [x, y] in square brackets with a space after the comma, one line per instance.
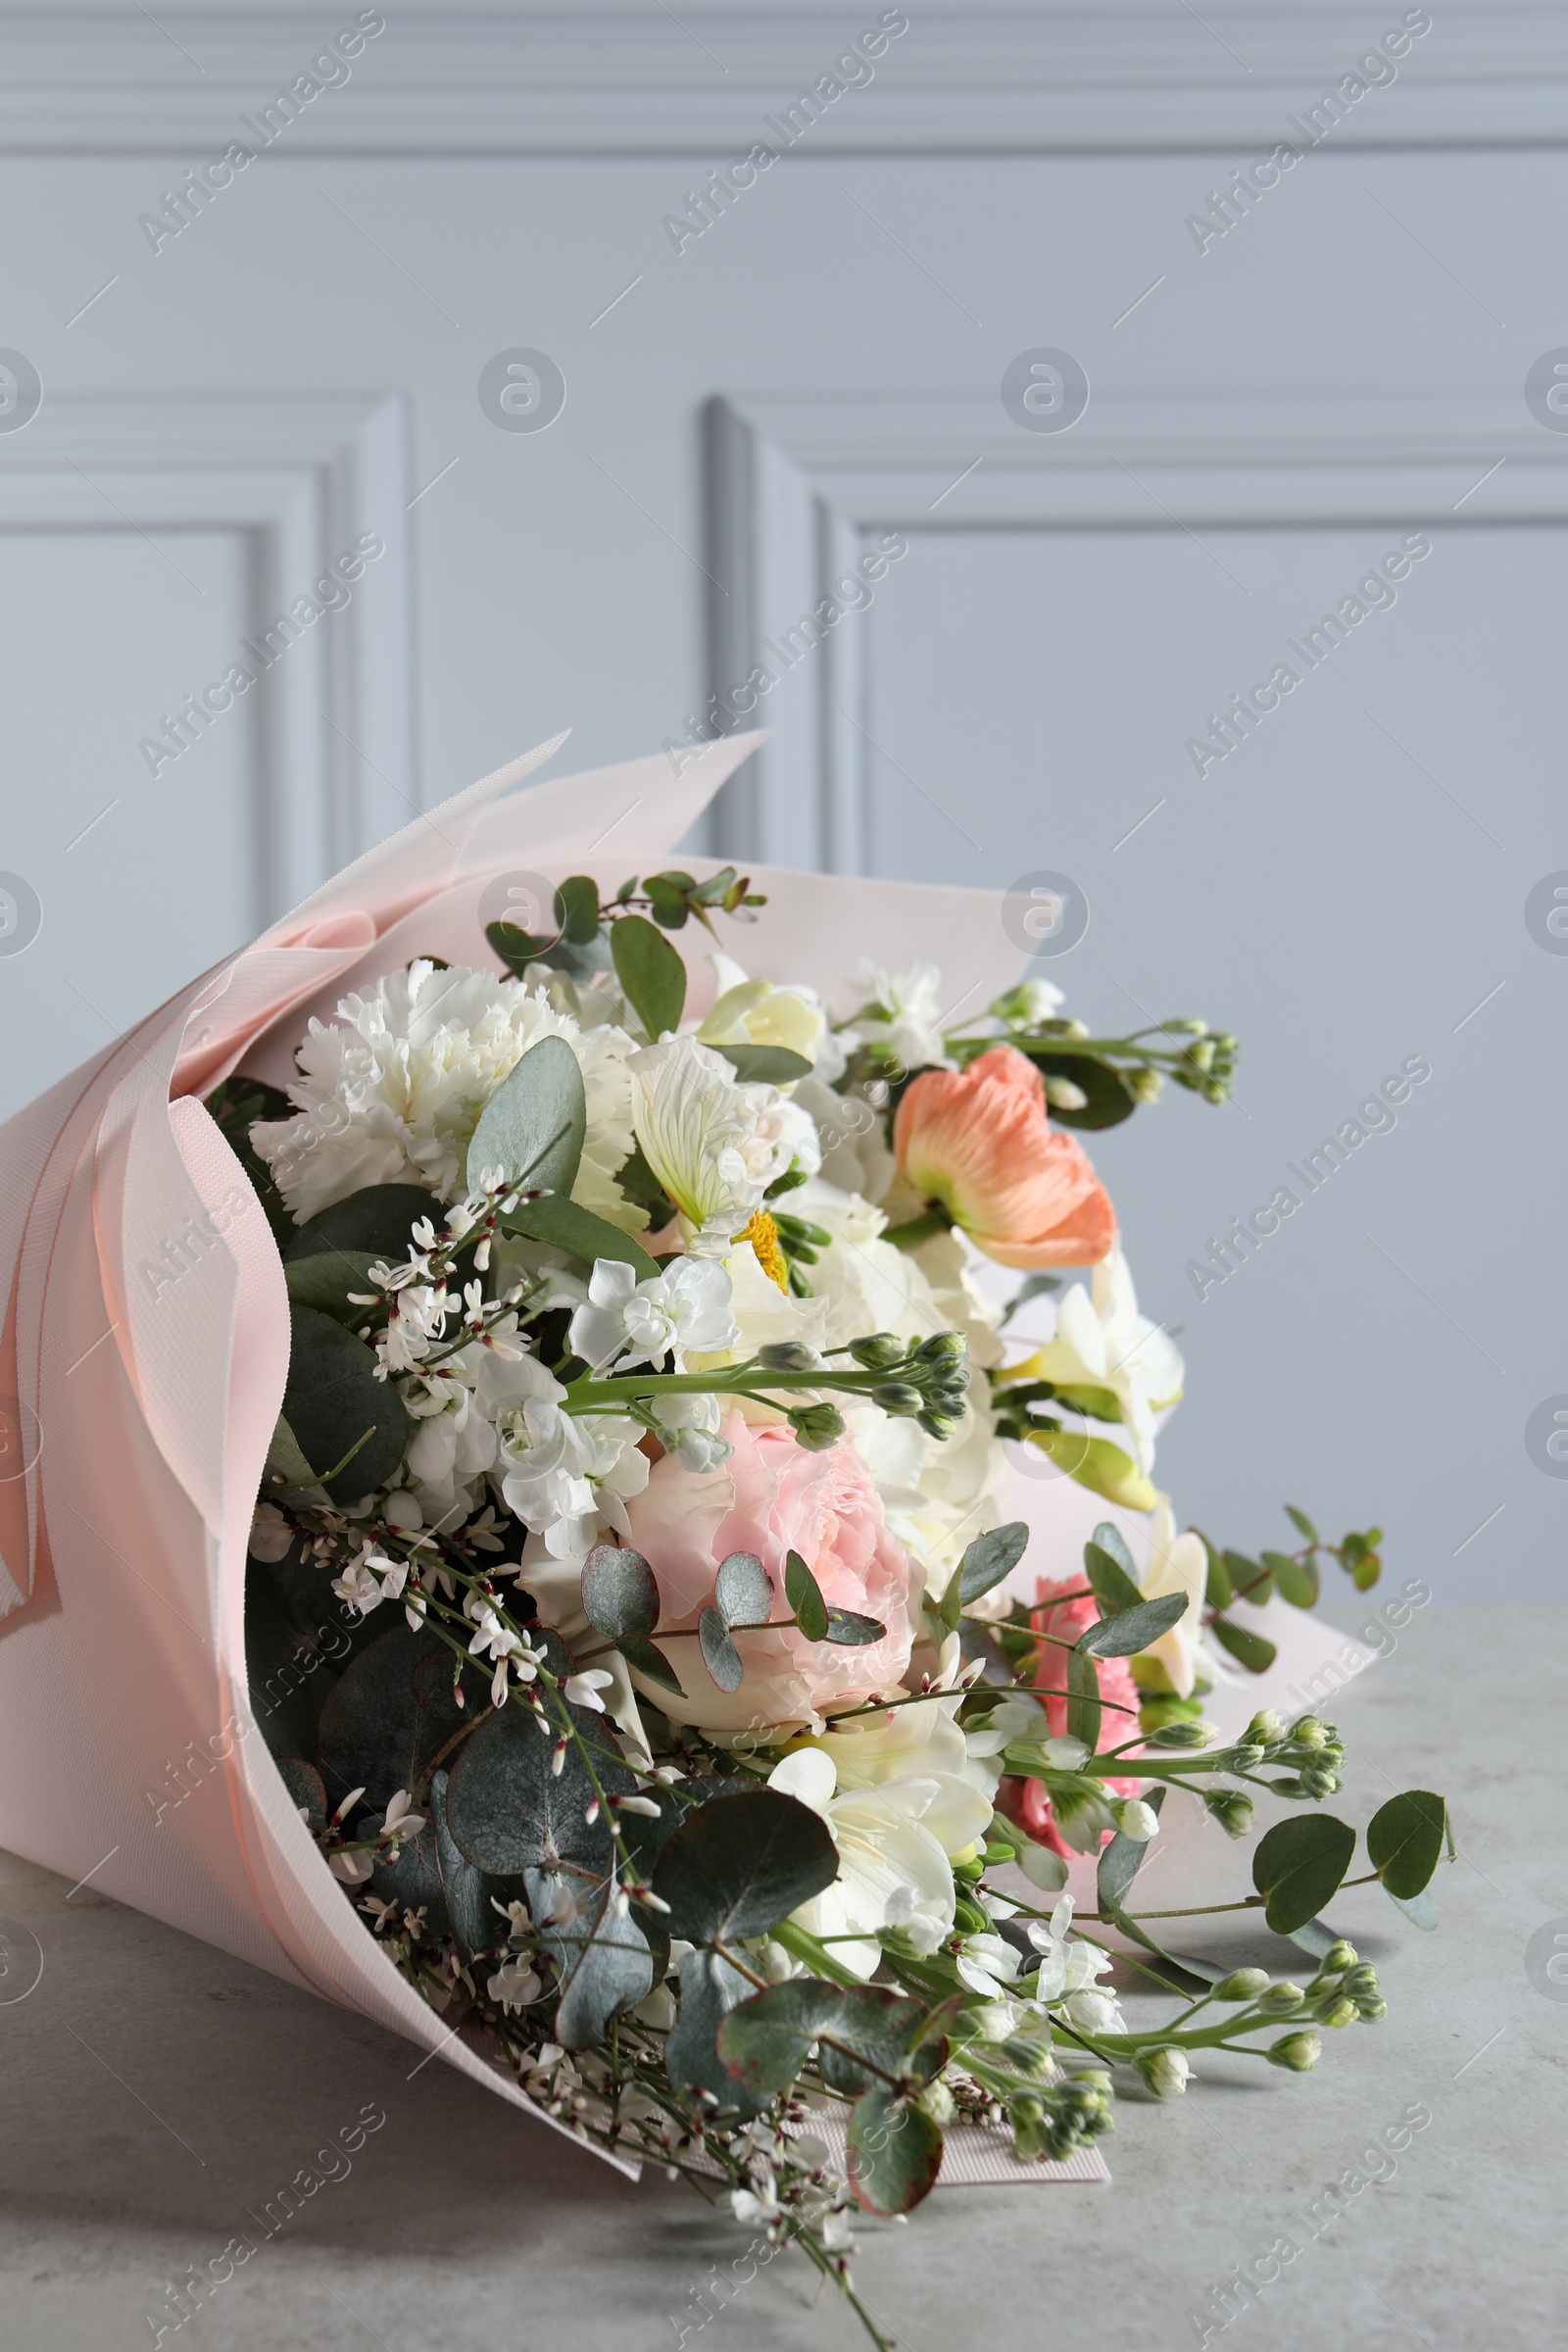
[979, 1143]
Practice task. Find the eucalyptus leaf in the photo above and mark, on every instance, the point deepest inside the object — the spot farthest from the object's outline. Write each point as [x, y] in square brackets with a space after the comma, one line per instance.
[1299, 1866]
[533, 1126]
[1083, 1697]
[1121, 1859]
[1404, 1840]
[577, 908]
[325, 1281]
[306, 1787]
[743, 1590]
[804, 1597]
[709, 1988]
[764, 1065]
[1250, 1649]
[720, 1653]
[1297, 1581]
[894, 2152]
[850, 1631]
[517, 948]
[866, 2033]
[605, 1962]
[1107, 1100]
[1316, 1936]
[466, 1890]
[377, 1730]
[564, 1226]
[991, 1557]
[338, 1411]
[509, 1812]
[1112, 1586]
[287, 1470]
[650, 1661]
[1133, 1630]
[378, 1219]
[1419, 1909]
[650, 973]
[619, 1594]
[738, 1865]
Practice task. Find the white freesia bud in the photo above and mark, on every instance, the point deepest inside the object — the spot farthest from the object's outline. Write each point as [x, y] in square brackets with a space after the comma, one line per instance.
[1135, 1818]
[1164, 2071]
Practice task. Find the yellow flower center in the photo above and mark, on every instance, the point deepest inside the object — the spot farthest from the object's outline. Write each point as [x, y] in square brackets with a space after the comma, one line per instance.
[762, 1233]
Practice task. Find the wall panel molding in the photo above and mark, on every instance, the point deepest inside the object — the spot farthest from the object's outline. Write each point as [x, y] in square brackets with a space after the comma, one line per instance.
[796, 488]
[332, 765]
[625, 80]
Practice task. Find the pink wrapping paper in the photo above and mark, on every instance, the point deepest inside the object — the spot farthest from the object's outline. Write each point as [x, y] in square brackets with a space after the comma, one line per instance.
[135, 1413]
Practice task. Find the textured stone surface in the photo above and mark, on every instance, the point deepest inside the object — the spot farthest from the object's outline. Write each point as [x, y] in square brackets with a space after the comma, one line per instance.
[157, 2094]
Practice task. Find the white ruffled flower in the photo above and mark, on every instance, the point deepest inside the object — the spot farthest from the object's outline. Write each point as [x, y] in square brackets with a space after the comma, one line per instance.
[625, 1321]
[561, 1473]
[1104, 1341]
[689, 1428]
[392, 1090]
[698, 1134]
[759, 1014]
[910, 1008]
[885, 1855]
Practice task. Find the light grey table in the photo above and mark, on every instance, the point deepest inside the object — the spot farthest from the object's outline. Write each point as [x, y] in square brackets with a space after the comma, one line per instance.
[157, 2093]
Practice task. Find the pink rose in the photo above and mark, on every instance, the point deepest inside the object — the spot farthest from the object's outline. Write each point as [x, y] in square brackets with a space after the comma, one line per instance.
[1067, 1620]
[774, 1497]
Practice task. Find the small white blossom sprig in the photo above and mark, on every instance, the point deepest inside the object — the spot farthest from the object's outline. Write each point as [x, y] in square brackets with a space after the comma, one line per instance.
[418, 1294]
[351, 1859]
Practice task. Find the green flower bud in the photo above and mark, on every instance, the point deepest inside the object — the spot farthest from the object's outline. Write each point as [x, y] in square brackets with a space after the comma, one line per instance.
[1310, 1733]
[1298, 2052]
[938, 2102]
[1282, 1999]
[1144, 1086]
[937, 1425]
[816, 1427]
[1361, 1980]
[1371, 2008]
[1340, 1956]
[878, 1353]
[1232, 1809]
[1265, 1729]
[944, 1348]
[1200, 1054]
[1188, 1026]
[1319, 1782]
[897, 1397]
[789, 1355]
[1164, 2071]
[1242, 1985]
[1245, 1758]
[1338, 2012]
[1185, 1735]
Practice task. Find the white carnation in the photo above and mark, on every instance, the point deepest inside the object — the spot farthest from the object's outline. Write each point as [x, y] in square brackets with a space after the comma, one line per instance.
[392, 1090]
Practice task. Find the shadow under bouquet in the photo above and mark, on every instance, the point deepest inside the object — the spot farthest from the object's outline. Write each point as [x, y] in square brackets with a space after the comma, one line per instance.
[706, 1589]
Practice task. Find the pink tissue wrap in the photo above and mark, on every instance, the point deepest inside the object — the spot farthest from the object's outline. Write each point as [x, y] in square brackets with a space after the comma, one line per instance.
[134, 1420]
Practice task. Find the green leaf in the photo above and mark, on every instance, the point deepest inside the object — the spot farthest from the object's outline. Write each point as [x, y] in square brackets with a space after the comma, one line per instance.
[1252, 1579]
[742, 1590]
[1120, 1861]
[764, 1065]
[1083, 1700]
[874, 2033]
[720, 1653]
[1218, 1591]
[1108, 1101]
[738, 1865]
[650, 1661]
[1250, 1649]
[287, 1470]
[1133, 1630]
[577, 908]
[1404, 1840]
[509, 1812]
[650, 973]
[1300, 1521]
[991, 1557]
[325, 1281]
[1299, 1865]
[515, 946]
[1297, 1580]
[619, 1593]
[1316, 1936]
[378, 1219]
[534, 1124]
[466, 1890]
[895, 2152]
[709, 1989]
[377, 1732]
[804, 1597]
[565, 1226]
[850, 1631]
[336, 1408]
[1114, 1586]
[1419, 1909]
[1098, 1464]
[762, 2042]
[605, 1961]
[1109, 1538]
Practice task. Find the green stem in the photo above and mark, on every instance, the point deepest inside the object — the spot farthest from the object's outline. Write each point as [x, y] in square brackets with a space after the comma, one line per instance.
[914, 1229]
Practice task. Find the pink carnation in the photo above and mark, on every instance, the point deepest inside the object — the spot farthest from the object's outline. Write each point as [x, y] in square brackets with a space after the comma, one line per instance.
[1066, 1620]
[771, 1497]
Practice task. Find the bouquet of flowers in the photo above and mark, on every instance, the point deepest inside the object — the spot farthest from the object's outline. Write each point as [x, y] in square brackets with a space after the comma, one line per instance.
[637, 1615]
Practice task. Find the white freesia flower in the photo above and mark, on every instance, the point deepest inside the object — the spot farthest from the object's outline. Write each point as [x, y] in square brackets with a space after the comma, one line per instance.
[391, 1092]
[757, 1012]
[987, 1965]
[919, 1742]
[1176, 1564]
[886, 1854]
[684, 1308]
[560, 1473]
[698, 1134]
[1102, 1338]
[1135, 1820]
[910, 1002]
[452, 1447]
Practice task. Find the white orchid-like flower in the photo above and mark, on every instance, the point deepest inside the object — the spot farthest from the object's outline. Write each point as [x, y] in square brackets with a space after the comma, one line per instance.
[370, 1579]
[685, 1307]
[1176, 1564]
[887, 1855]
[698, 1134]
[1102, 1341]
[402, 1821]
[515, 1984]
